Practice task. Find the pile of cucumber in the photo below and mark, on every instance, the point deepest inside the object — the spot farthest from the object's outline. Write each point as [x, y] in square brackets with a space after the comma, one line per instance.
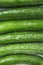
[21, 32]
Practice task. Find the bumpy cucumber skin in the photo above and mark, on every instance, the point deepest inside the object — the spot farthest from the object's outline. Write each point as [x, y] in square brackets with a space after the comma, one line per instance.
[13, 3]
[34, 48]
[20, 25]
[22, 13]
[14, 59]
[18, 37]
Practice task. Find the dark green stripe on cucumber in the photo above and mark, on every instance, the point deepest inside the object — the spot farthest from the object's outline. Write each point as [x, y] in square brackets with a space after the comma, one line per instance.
[22, 13]
[23, 48]
[14, 3]
[18, 37]
[21, 25]
[14, 59]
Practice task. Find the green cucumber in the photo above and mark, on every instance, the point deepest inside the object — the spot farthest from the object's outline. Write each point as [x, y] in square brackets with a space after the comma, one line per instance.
[22, 13]
[21, 25]
[14, 59]
[34, 48]
[13, 3]
[17, 37]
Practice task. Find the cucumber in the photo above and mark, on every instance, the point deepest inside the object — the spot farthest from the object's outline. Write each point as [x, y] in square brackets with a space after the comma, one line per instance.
[14, 3]
[17, 37]
[34, 48]
[14, 59]
[22, 13]
[21, 25]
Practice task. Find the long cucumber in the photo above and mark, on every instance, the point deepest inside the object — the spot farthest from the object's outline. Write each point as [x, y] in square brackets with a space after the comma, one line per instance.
[21, 25]
[14, 59]
[13, 3]
[29, 48]
[17, 37]
[22, 13]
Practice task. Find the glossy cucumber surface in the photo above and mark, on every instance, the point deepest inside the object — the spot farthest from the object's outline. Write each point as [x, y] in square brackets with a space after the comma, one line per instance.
[14, 3]
[17, 37]
[27, 48]
[21, 25]
[14, 59]
[22, 13]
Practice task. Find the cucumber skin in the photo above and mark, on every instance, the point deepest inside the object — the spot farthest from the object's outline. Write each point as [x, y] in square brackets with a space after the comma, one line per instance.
[22, 13]
[14, 59]
[21, 25]
[14, 3]
[34, 48]
[18, 37]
